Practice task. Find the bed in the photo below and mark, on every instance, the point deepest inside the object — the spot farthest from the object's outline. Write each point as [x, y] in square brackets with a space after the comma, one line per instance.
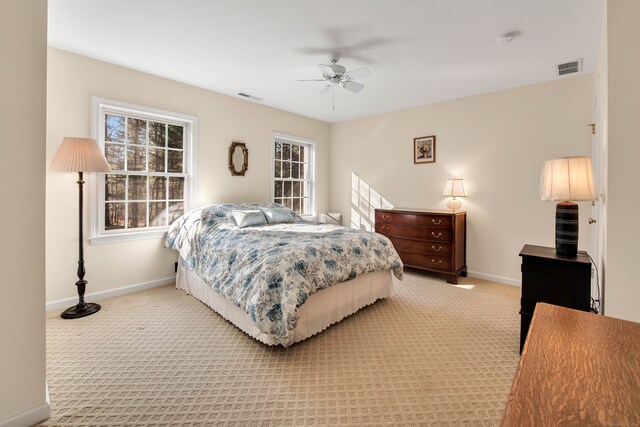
[284, 279]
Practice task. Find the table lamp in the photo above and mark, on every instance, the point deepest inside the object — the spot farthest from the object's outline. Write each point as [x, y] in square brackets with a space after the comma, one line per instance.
[567, 180]
[454, 188]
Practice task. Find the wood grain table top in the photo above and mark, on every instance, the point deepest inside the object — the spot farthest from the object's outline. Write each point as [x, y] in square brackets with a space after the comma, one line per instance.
[576, 369]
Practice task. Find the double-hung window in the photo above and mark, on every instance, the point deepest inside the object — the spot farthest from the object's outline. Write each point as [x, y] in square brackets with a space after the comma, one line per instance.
[152, 178]
[293, 183]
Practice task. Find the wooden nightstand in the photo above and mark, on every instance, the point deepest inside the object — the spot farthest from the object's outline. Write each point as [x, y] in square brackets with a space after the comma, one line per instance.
[548, 277]
[427, 239]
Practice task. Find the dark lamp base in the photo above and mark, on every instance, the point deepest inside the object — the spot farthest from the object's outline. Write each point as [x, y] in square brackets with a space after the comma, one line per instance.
[80, 310]
[567, 229]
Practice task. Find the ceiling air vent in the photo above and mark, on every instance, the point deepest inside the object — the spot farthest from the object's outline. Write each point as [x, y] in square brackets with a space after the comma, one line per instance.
[570, 67]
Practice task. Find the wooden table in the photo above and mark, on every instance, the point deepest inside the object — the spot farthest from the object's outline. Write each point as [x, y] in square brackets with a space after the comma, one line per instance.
[576, 368]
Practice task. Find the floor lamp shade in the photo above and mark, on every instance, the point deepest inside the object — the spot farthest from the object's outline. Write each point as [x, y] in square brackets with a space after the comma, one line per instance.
[80, 155]
[567, 180]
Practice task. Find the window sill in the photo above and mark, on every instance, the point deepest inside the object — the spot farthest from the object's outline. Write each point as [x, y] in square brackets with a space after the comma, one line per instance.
[127, 237]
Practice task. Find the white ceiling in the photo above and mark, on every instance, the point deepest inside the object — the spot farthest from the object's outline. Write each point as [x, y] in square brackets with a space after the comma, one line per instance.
[419, 51]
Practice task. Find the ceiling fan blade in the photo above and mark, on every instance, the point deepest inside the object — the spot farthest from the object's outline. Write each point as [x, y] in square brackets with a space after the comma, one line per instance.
[327, 69]
[372, 42]
[351, 86]
[312, 80]
[324, 90]
[360, 58]
[359, 73]
[314, 50]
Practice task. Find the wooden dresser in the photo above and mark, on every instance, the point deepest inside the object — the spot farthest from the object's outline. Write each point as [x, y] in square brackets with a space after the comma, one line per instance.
[431, 240]
[576, 369]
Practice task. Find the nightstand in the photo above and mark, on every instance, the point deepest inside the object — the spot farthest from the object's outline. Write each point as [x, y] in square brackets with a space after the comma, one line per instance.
[548, 277]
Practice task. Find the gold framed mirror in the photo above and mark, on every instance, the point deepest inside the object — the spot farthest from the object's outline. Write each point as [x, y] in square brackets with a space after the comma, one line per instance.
[238, 158]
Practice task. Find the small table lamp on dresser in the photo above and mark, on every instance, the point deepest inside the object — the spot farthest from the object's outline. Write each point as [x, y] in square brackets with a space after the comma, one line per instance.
[80, 155]
[454, 188]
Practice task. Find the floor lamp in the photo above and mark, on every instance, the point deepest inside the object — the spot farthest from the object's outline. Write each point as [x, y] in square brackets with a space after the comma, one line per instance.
[79, 155]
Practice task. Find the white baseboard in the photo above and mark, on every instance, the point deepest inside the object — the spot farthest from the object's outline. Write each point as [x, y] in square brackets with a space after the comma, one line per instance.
[494, 278]
[29, 417]
[97, 296]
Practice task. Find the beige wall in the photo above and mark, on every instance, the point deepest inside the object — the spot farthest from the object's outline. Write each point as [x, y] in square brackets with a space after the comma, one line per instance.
[622, 290]
[497, 142]
[72, 81]
[23, 41]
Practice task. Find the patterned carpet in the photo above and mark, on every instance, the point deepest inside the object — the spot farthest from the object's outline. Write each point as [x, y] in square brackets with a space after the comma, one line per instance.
[434, 354]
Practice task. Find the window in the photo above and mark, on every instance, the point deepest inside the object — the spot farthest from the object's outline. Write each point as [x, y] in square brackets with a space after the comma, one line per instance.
[293, 173]
[152, 179]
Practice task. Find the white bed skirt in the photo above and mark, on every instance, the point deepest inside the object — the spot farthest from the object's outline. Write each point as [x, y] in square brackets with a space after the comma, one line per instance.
[321, 309]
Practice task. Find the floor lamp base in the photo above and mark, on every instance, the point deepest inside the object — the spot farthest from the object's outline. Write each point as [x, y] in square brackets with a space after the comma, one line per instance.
[80, 310]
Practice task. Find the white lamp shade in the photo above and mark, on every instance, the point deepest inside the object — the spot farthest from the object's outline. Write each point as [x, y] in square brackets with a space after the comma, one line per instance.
[567, 179]
[79, 155]
[454, 188]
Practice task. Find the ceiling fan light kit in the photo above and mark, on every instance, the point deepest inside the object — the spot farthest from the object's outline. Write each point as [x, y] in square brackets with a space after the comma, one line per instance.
[337, 75]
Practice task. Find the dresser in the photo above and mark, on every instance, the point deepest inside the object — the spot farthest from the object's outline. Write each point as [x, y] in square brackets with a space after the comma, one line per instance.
[554, 279]
[432, 240]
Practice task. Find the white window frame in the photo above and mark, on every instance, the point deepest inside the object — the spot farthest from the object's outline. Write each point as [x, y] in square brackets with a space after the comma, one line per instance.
[311, 147]
[98, 234]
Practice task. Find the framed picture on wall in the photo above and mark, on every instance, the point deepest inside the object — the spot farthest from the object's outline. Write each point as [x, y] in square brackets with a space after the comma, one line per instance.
[424, 149]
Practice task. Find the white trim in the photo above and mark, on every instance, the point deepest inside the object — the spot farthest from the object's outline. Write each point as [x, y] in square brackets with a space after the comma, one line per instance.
[97, 296]
[312, 143]
[597, 206]
[127, 237]
[494, 278]
[29, 417]
[98, 236]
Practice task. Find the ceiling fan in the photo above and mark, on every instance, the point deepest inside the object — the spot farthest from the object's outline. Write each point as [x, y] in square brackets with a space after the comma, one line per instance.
[337, 75]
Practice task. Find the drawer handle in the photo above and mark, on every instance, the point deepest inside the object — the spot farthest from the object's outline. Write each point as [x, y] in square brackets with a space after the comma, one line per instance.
[437, 236]
[385, 227]
[385, 217]
[438, 249]
[436, 262]
[436, 223]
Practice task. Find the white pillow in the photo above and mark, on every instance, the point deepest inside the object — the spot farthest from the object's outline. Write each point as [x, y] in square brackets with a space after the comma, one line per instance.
[277, 215]
[248, 218]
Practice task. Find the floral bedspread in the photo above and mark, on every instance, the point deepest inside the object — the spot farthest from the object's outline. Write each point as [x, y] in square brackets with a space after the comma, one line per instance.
[269, 271]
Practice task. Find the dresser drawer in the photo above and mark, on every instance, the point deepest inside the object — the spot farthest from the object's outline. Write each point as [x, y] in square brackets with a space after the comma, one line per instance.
[411, 219]
[432, 248]
[431, 262]
[431, 234]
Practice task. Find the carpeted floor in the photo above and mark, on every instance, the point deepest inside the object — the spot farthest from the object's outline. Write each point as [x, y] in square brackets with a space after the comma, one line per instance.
[434, 354]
